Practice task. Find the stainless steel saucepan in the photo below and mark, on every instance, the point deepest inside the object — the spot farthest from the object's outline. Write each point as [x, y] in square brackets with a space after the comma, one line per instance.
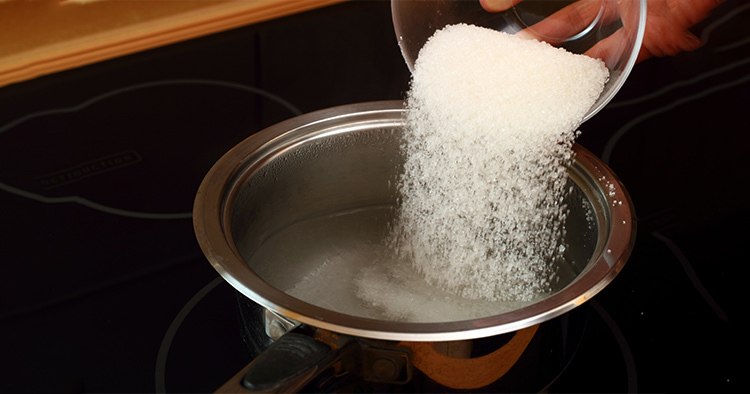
[319, 190]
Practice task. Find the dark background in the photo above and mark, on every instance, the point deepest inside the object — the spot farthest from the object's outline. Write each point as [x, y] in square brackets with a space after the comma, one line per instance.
[104, 289]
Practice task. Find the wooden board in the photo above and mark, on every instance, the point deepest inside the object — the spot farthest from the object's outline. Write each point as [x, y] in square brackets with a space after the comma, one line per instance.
[45, 36]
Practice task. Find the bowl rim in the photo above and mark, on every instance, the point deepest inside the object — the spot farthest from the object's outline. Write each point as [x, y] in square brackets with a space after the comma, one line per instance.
[602, 100]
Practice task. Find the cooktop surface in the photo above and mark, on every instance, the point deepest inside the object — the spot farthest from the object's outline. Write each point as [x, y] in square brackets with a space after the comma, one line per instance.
[104, 288]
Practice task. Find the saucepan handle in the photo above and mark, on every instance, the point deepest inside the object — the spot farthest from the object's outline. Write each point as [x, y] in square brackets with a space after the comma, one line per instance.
[286, 366]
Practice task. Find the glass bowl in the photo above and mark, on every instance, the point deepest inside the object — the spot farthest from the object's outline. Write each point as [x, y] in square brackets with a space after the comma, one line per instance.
[611, 30]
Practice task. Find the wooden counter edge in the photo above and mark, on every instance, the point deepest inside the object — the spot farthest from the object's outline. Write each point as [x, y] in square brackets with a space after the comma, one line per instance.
[111, 44]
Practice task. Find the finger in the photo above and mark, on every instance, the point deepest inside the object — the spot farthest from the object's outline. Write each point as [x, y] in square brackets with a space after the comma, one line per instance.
[670, 42]
[681, 14]
[572, 20]
[498, 5]
[609, 48]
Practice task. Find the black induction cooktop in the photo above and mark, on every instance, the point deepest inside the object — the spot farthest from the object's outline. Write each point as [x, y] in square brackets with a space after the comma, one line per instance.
[104, 289]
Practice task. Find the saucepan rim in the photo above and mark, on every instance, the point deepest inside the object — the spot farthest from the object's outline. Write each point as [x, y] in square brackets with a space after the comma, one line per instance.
[212, 225]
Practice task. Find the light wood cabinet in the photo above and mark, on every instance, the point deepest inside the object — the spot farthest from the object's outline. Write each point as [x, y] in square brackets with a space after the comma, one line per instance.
[40, 37]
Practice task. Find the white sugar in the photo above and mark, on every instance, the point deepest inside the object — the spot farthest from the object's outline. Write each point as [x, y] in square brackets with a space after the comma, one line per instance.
[491, 119]
[393, 290]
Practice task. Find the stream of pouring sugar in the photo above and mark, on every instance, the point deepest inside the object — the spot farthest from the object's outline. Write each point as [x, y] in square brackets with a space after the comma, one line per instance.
[490, 122]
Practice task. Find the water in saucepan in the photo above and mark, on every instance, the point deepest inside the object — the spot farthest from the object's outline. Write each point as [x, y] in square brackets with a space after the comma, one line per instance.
[342, 262]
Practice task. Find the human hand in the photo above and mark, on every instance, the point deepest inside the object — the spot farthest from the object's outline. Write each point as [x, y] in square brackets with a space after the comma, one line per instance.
[667, 32]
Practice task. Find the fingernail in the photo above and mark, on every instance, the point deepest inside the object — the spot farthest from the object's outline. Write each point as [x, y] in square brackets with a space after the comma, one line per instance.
[496, 5]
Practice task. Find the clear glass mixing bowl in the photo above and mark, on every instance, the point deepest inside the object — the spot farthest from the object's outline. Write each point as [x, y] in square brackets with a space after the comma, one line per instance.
[611, 30]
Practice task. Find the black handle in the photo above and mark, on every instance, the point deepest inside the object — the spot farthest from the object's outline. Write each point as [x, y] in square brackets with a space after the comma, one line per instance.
[298, 361]
[288, 364]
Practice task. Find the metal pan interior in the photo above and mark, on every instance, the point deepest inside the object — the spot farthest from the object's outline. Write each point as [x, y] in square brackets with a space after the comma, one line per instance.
[292, 215]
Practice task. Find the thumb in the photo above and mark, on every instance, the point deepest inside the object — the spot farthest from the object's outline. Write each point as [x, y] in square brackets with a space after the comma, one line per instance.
[498, 5]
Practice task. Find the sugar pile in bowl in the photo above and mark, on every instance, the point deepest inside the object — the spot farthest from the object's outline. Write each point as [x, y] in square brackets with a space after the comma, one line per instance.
[490, 123]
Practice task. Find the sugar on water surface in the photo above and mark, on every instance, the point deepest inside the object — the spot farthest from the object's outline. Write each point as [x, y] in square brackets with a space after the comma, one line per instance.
[490, 123]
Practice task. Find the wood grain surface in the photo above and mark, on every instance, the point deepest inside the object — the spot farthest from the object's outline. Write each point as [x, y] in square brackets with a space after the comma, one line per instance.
[45, 36]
